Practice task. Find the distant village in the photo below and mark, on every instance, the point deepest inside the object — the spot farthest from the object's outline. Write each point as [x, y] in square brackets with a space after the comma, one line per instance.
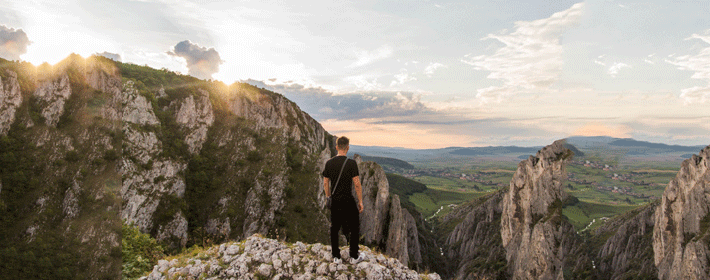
[625, 190]
[480, 177]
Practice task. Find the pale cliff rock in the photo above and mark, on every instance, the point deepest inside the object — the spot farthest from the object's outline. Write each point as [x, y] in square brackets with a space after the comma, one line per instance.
[375, 196]
[136, 108]
[10, 99]
[531, 230]
[474, 248]
[196, 115]
[52, 95]
[414, 248]
[628, 252]
[263, 258]
[681, 234]
[149, 179]
[383, 222]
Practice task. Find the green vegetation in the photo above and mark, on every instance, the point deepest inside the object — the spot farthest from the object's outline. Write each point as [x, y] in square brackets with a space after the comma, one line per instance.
[39, 241]
[581, 213]
[139, 252]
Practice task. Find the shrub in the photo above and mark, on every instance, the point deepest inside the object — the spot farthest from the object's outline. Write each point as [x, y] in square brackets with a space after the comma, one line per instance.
[140, 252]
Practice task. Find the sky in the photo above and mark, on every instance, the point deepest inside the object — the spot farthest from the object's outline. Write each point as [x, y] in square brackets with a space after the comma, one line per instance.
[415, 73]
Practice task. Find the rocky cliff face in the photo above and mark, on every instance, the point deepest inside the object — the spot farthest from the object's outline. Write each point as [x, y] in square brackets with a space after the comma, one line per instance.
[59, 203]
[10, 100]
[212, 163]
[628, 251]
[681, 234]
[474, 248]
[94, 142]
[383, 222]
[536, 238]
[262, 258]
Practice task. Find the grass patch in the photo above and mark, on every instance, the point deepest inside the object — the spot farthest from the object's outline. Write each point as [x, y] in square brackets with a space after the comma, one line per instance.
[582, 213]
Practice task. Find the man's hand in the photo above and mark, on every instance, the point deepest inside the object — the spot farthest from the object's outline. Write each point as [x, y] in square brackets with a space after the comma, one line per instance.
[360, 207]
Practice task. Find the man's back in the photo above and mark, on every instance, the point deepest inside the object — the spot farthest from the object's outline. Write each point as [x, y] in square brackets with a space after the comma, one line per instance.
[332, 168]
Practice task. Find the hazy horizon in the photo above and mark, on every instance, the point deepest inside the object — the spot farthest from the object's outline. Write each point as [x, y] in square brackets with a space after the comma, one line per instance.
[426, 74]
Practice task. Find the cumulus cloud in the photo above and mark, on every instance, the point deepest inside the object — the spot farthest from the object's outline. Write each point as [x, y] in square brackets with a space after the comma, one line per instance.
[700, 64]
[616, 67]
[429, 70]
[402, 78]
[531, 58]
[111, 56]
[323, 104]
[367, 57]
[363, 82]
[201, 61]
[13, 43]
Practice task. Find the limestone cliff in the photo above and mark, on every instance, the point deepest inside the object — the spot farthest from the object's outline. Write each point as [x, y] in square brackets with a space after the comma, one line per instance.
[10, 99]
[681, 236]
[383, 222]
[90, 143]
[628, 251]
[474, 248]
[535, 235]
[59, 202]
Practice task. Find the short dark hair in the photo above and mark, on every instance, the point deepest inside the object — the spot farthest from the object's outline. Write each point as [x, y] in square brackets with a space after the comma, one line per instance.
[343, 142]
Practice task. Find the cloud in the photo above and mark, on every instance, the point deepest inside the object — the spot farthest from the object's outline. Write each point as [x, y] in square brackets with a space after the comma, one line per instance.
[429, 70]
[531, 58]
[616, 67]
[13, 43]
[599, 129]
[367, 57]
[402, 78]
[201, 61]
[112, 56]
[598, 60]
[363, 82]
[648, 59]
[700, 64]
[323, 104]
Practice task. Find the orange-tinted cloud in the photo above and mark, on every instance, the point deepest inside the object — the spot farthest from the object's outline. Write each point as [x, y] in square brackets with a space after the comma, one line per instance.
[13, 43]
[599, 129]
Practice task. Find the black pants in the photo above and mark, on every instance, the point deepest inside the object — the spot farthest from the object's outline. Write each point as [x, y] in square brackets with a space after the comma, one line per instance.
[346, 215]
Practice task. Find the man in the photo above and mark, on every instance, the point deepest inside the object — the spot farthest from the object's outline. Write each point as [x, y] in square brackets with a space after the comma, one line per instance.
[344, 211]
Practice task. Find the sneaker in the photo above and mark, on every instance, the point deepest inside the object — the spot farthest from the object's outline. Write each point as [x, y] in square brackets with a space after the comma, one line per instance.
[337, 260]
[360, 257]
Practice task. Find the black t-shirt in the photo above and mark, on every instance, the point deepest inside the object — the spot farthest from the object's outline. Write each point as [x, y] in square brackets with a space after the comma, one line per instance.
[345, 185]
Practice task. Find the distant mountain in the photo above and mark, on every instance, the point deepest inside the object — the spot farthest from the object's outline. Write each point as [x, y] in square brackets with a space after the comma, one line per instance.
[485, 151]
[392, 162]
[628, 142]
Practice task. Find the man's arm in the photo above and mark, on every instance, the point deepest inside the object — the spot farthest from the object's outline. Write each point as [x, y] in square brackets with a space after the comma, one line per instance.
[326, 186]
[358, 190]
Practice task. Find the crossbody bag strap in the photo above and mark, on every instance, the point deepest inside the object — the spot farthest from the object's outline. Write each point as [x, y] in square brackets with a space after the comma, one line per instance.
[341, 173]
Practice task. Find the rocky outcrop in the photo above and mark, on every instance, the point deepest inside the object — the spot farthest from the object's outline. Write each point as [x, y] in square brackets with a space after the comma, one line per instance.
[136, 108]
[474, 248]
[196, 116]
[262, 258]
[681, 235]
[535, 236]
[52, 95]
[383, 222]
[63, 201]
[628, 251]
[271, 110]
[10, 99]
